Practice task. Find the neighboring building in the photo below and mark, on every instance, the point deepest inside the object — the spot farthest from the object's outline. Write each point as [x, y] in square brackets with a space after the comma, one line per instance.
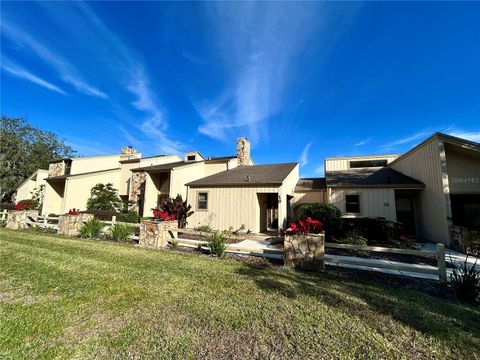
[34, 181]
[257, 197]
[426, 188]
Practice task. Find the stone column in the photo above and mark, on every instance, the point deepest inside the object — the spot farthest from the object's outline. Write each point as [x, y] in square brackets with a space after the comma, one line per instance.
[137, 188]
[305, 252]
[156, 234]
[18, 220]
[70, 225]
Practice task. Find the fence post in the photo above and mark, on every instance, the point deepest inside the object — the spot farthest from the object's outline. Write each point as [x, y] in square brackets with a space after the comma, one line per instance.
[442, 269]
[114, 219]
[45, 222]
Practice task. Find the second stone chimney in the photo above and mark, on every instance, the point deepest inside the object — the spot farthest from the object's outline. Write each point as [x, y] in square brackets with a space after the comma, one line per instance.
[243, 151]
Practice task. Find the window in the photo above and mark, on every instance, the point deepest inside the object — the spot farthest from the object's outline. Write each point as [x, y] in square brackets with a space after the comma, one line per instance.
[352, 204]
[202, 201]
[367, 163]
[190, 157]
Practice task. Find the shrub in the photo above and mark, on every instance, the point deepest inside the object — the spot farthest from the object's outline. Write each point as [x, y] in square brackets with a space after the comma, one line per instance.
[3, 223]
[354, 238]
[374, 228]
[216, 243]
[120, 232]
[104, 197]
[74, 212]
[91, 229]
[177, 207]
[129, 217]
[37, 197]
[465, 281]
[329, 215]
[306, 227]
[52, 215]
[203, 228]
[472, 216]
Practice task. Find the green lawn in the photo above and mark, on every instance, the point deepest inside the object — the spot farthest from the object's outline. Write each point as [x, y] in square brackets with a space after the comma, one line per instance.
[64, 298]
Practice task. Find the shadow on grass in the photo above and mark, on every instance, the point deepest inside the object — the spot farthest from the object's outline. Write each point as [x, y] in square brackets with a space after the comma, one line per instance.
[446, 320]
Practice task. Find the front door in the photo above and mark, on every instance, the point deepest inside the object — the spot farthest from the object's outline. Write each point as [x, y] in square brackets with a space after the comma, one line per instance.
[272, 212]
[405, 214]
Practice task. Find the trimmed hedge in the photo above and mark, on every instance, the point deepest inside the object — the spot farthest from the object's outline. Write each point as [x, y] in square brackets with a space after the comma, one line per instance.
[105, 215]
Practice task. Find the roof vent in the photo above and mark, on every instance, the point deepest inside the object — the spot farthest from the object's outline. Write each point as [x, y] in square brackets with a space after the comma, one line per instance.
[248, 178]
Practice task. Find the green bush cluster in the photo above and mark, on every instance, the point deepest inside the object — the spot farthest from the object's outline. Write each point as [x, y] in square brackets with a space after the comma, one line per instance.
[354, 238]
[465, 281]
[374, 229]
[217, 243]
[120, 232]
[91, 229]
[129, 217]
[329, 215]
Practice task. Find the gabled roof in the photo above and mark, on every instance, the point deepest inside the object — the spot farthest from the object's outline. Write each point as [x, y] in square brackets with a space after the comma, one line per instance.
[384, 177]
[310, 184]
[445, 138]
[270, 174]
[164, 167]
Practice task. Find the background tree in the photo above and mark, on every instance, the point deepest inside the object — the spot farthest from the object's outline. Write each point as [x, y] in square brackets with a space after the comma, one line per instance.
[23, 150]
[104, 197]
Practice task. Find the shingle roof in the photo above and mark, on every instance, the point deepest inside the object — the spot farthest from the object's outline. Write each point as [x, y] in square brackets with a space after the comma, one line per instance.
[162, 167]
[384, 177]
[62, 177]
[310, 184]
[248, 175]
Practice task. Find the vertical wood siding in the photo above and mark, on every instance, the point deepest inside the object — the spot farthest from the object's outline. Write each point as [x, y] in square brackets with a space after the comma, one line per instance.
[339, 164]
[228, 206]
[373, 202]
[424, 164]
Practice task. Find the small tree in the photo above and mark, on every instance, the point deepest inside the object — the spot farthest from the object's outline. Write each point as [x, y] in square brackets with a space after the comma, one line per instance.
[37, 197]
[104, 197]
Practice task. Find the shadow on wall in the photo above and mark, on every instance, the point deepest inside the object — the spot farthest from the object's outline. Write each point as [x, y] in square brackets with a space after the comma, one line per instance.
[446, 320]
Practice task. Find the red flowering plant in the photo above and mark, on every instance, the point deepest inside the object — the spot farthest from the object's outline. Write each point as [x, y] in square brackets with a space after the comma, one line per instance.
[304, 227]
[24, 205]
[74, 211]
[160, 215]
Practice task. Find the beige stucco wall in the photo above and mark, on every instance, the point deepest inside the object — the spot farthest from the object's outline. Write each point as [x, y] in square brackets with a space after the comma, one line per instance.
[24, 191]
[229, 206]
[95, 163]
[432, 205]
[185, 174]
[53, 198]
[341, 163]
[77, 188]
[373, 201]
[158, 160]
[305, 197]
[463, 168]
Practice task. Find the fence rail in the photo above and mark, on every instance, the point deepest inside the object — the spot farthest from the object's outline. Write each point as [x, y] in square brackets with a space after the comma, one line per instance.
[439, 255]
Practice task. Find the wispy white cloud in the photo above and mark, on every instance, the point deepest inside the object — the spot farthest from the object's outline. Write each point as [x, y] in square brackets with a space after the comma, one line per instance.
[260, 43]
[408, 139]
[18, 71]
[320, 170]
[363, 142]
[468, 135]
[304, 156]
[67, 72]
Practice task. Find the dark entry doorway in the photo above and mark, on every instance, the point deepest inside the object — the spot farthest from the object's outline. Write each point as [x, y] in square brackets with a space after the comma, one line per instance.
[404, 206]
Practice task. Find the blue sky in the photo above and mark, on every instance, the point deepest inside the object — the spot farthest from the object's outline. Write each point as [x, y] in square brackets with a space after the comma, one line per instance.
[303, 81]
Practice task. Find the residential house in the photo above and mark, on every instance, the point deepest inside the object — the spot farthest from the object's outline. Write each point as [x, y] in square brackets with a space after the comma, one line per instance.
[32, 183]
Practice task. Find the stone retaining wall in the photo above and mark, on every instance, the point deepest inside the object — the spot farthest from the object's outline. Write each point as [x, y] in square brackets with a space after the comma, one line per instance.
[70, 225]
[157, 234]
[305, 252]
[18, 220]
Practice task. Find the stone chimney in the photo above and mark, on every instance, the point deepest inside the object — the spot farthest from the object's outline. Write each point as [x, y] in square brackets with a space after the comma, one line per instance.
[128, 150]
[243, 151]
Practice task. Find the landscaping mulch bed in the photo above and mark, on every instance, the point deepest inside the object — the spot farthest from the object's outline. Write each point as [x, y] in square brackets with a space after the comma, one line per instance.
[410, 259]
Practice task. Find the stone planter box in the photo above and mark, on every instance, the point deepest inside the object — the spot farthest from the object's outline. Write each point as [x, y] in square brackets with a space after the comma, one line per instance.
[305, 252]
[18, 220]
[156, 234]
[70, 225]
